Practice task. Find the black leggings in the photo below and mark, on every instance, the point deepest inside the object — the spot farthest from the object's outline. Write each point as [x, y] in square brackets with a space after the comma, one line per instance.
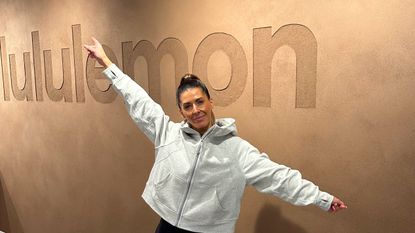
[165, 227]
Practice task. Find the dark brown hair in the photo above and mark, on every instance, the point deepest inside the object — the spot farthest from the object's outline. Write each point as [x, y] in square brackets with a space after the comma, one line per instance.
[190, 81]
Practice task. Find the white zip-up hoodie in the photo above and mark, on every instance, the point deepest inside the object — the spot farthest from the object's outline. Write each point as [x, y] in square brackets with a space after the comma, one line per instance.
[197, 182]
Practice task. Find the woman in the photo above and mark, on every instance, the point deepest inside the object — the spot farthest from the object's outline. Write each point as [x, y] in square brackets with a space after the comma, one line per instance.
[202, 166]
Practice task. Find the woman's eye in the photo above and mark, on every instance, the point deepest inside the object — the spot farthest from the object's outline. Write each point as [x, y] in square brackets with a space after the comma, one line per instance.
[186, 107]
[199, 102]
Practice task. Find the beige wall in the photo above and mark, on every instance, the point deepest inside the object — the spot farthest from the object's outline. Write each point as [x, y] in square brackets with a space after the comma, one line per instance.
[81, 166]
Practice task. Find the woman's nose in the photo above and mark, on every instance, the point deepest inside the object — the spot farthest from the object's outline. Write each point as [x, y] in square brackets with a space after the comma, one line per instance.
[195, 109]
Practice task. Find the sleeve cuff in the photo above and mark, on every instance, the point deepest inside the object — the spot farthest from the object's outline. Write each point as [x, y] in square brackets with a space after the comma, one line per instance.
[324, 200]
[113, 73]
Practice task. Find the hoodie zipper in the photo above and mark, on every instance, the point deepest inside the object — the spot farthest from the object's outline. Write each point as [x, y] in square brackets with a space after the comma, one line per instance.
[199, 148]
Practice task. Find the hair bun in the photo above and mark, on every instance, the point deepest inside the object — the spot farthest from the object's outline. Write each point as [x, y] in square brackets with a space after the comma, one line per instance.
[188, 77]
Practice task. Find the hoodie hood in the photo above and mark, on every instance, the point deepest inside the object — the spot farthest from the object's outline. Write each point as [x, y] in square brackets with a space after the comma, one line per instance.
[224, 126]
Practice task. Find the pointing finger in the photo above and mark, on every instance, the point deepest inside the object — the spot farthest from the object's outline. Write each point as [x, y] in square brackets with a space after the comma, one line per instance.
[96, 42]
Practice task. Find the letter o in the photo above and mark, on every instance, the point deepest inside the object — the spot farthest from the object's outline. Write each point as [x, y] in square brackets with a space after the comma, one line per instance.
[233, 49]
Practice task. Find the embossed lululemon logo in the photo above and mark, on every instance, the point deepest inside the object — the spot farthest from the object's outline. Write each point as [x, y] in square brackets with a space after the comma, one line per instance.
[265, 44]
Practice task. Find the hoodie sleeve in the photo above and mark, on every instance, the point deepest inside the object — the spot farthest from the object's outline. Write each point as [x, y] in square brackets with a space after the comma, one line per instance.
[146, 113]
[269, 177]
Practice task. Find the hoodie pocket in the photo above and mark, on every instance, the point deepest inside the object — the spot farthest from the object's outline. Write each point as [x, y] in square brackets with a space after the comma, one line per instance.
[226, 199]
[167, 188]
[166, 193]
[213, 204]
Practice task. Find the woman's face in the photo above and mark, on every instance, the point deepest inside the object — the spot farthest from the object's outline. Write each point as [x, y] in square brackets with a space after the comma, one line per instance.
[196, 108]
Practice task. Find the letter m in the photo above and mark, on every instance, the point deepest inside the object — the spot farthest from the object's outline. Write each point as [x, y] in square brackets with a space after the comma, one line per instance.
[153, 57]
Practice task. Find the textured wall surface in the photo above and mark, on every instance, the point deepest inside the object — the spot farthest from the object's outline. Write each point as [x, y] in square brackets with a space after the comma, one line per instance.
[326, 87]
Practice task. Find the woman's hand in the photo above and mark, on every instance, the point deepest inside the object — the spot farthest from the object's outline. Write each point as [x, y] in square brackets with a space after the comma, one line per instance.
[96, 51]
[337, 205]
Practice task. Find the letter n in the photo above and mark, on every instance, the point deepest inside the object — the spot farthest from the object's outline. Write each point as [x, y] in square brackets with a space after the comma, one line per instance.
[304, 44]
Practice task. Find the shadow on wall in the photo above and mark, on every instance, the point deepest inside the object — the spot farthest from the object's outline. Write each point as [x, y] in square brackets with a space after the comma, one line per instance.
[269, 220]
[9, 221]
